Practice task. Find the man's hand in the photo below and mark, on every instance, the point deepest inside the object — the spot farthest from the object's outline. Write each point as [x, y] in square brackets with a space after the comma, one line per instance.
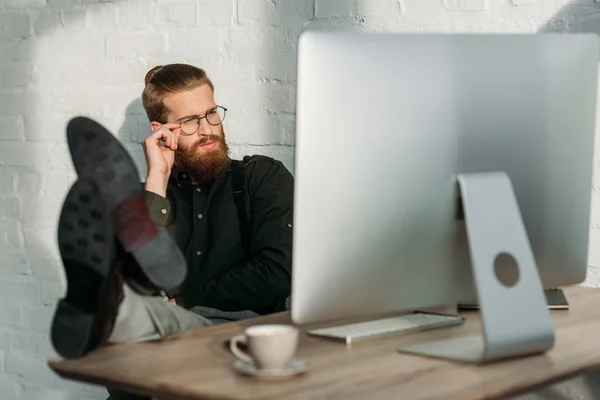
[160, 158]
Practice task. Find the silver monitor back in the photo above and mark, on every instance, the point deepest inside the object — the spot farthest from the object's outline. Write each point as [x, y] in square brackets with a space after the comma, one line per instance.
[385, 122]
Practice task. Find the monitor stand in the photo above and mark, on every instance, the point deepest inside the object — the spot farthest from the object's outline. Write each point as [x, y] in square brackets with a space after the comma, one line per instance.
[555, 299]
[514, 314]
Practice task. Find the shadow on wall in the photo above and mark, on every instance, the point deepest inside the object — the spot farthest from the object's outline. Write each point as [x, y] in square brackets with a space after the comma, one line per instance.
[577, 16]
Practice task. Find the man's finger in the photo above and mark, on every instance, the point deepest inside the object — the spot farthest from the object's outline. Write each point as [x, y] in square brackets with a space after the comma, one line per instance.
[171, 126]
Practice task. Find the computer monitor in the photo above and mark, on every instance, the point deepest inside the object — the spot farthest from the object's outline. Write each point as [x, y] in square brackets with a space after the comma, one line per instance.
[398, 134]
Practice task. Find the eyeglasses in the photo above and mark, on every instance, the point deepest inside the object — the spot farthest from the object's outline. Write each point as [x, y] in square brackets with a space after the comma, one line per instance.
[191, 124]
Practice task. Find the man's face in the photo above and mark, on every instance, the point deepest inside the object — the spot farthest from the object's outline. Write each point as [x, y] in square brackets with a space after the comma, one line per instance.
[202, 154]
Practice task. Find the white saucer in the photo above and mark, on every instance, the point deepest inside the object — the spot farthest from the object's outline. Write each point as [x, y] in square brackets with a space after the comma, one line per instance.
[296, 367]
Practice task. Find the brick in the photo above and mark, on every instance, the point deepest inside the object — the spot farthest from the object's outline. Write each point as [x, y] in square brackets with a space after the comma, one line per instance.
[16, 103]
[26, 368]
[252, 128]
[28, 342]
[11, 390]
[12, 126]
[19, 294]
[86, 46]
[45, 266]
[50, 129]
[287, 129]
[10, 317]
[9, 208]
[333, 8]
[111, 74]
[11, 235]
[7, 185]
[46, 23]
[66, 3]
[180, 13]
[42, 208]
[14, 263]
[595, 209]
[466, 5]
[39, 318]
[244, 99]
[281, 67]
[279, 98]
[50, 293]
[285, 154]
[192, 43]
[114, 102]
[15, 73]
[55, 183]
[17, 49]
[61, 157]
[40, 239]
[102, 18]
[594, 248]
[257, 128]
[229, 74]
[24, 154]
[28, 183]
[4, 346]
[23, 4]
[74, 101]
[142, 44]
[76, 391]
[14, 26]
[245, 40]
[137, 15]
[257, 11]
[74, 21]
[216, 12]
[134, 129]
[380, 8]
[295, 11]
[588, 23]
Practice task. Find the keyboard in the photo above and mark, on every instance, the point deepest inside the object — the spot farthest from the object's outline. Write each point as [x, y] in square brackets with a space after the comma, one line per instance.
[382, 327]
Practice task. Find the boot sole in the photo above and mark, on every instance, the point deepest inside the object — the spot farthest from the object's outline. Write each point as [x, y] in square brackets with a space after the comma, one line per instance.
[97, 153]
[85, 241]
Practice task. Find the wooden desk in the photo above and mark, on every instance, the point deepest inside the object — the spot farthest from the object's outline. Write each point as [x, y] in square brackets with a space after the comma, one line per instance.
[196, 365]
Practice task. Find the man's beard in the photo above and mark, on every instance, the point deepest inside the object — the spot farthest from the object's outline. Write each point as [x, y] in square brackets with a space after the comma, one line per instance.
[203, 167]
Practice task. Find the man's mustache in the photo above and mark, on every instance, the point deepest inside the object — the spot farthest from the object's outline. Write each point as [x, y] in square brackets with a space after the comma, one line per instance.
[204, 139]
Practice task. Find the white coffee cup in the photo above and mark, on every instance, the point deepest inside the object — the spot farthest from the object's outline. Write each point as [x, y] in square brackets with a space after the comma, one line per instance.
[269, 346]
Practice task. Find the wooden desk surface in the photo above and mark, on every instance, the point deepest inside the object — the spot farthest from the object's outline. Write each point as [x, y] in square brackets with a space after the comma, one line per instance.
[196, 365]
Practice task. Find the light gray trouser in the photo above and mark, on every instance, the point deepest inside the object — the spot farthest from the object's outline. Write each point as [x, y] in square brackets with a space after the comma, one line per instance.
[143, 318]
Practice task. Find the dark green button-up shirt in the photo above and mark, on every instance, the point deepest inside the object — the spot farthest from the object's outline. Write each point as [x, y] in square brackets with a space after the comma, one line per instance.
[204, 223]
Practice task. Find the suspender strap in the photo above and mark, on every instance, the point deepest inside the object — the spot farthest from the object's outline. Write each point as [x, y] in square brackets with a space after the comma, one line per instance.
[238, 197]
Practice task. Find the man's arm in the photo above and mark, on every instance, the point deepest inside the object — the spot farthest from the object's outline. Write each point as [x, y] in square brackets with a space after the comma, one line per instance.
[159, 207]
[265, 279]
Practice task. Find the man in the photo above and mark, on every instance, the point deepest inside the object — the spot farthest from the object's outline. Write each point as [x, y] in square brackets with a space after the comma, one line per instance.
[189, 190]
[229, 224]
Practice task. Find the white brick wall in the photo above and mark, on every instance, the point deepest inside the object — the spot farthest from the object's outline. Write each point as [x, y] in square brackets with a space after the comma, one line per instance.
[64, 57]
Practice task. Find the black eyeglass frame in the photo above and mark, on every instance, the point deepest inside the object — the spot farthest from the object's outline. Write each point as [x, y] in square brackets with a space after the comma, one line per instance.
[199, 118]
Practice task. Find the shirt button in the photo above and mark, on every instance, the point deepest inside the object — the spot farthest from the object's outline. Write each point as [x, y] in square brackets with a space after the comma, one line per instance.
[198, 190]
[200, 216]
[164, 211]
[198, 253]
